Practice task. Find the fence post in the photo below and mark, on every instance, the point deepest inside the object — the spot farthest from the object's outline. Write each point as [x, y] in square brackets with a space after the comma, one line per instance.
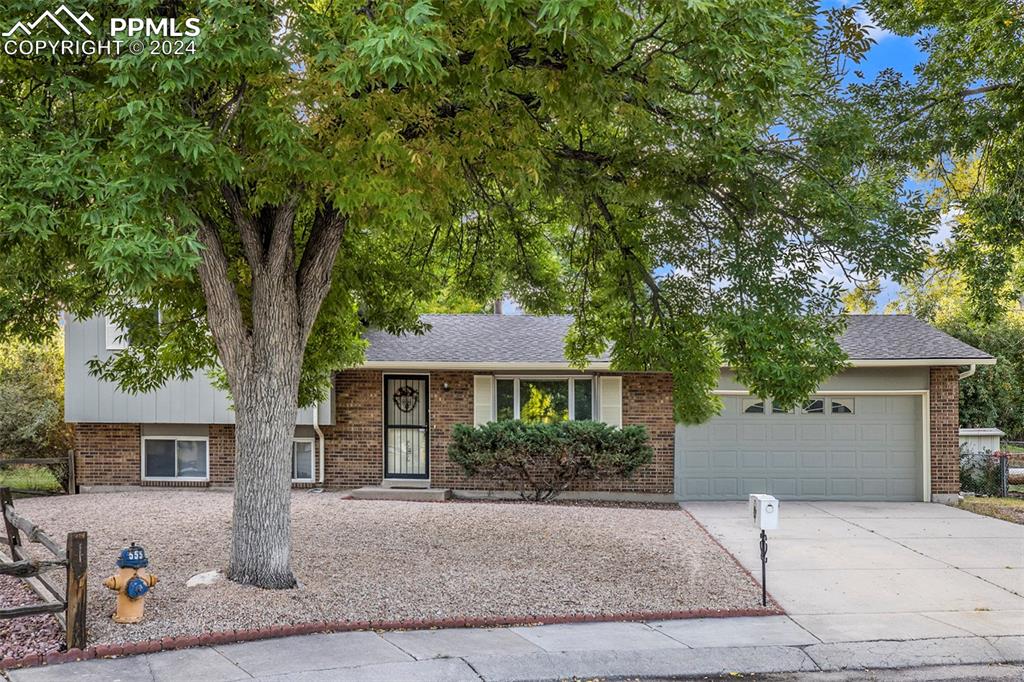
[1004, 474]
[78, 563]
[13, 535]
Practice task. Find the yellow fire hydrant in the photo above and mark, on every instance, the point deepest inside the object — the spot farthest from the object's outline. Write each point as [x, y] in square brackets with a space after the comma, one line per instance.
[131, 582]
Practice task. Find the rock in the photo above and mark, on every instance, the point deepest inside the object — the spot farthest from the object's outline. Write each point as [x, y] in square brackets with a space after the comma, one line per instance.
[207, 578]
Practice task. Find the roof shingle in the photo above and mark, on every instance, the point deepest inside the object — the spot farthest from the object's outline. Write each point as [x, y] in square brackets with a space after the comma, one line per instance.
[536, 339]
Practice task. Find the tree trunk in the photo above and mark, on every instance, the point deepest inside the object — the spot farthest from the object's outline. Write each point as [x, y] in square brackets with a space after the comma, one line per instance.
[266, 406]
[262, 356]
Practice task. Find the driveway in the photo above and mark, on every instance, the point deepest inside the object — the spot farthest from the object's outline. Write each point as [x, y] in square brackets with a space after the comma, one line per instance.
[857, 571]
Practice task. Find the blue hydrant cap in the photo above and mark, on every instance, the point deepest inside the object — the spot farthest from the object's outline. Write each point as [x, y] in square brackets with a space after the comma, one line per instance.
[136, 587]
[133, 557]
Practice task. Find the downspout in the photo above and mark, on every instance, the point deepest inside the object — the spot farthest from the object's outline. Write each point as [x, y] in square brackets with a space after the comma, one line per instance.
[970, 372]
[319, 437]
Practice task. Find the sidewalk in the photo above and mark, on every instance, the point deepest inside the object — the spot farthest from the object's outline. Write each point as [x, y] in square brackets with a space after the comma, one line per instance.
[712, 646]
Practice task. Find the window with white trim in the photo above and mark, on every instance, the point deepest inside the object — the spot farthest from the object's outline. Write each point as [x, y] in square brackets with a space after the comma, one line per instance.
[170, 458]
[545, 399]
[302, 460]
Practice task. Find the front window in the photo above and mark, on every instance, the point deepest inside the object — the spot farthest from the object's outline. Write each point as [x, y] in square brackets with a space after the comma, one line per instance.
[184, 458]
[302, 460]
[545, 400]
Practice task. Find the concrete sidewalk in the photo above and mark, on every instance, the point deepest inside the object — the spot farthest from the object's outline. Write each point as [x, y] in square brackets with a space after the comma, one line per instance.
[702, 647]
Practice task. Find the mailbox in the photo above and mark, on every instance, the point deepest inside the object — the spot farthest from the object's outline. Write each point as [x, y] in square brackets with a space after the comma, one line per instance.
[764, 511]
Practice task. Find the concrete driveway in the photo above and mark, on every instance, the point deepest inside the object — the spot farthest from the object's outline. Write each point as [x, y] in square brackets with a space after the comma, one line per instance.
[857, 571]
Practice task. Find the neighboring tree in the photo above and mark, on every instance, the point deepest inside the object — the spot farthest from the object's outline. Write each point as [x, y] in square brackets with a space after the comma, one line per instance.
[961, 123]
[862, 298]
[32, 398]
[546, 458]
[994, 396]
[677, 176]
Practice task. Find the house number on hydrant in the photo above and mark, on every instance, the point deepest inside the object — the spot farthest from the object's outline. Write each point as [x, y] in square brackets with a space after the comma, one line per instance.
[131, 582]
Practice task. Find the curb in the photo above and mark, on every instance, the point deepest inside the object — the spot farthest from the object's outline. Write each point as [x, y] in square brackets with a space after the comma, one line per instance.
[150, 646]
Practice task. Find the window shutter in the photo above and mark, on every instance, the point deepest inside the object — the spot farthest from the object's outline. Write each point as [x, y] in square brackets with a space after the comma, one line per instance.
[610, 395]
[112, 332]
[483, 399]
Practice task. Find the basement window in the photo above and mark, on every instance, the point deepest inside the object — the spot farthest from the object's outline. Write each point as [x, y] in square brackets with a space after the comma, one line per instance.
[175, 459]
[302, 460]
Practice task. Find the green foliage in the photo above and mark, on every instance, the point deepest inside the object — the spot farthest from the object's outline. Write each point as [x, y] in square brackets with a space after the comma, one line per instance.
[544, 458]
[680, 176]
[32, 396]
[961, 123]
[994, 396]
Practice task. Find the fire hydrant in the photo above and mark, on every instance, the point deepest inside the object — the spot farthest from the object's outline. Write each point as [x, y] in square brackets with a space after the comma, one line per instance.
[132, 583]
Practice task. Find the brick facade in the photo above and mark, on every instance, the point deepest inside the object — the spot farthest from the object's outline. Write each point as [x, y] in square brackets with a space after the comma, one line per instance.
[944, 427]
[353, 446]
[109, 454]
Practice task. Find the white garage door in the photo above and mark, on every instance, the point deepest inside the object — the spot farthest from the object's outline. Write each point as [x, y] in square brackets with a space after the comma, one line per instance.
[854, 447]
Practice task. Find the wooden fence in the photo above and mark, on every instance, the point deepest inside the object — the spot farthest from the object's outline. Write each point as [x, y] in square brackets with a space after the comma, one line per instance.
[62, 468]
[69, 607]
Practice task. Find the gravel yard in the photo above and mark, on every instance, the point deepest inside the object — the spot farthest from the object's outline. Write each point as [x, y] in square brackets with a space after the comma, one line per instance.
[375, 560]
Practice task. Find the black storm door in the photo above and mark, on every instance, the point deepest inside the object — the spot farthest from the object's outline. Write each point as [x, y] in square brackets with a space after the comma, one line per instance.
[406, 415]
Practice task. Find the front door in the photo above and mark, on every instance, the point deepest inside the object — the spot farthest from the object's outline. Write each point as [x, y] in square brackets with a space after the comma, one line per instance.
[406, 438]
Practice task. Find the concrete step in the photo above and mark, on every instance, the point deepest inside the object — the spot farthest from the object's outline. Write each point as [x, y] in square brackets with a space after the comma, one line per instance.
[406, 494]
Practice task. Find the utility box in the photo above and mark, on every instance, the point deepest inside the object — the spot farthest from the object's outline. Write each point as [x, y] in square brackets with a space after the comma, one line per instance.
[764, 511]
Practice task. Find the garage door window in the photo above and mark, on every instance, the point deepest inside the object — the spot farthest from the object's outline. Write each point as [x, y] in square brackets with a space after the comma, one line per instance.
[842, 405]
[753, 406]
[778, 409]
[814, 406]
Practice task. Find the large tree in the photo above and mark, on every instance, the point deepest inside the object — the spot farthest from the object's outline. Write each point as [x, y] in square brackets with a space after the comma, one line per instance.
[678, 175]
[960, 122]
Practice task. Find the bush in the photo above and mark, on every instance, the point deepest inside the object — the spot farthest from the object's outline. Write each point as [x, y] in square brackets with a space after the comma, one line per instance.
[979, 472]
[545, 459]
[32, 396]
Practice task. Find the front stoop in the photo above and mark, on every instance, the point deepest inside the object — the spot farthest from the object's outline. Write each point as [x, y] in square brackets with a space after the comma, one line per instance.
[405, 494]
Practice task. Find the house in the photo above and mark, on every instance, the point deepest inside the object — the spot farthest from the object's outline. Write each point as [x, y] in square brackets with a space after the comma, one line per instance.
[886, 428]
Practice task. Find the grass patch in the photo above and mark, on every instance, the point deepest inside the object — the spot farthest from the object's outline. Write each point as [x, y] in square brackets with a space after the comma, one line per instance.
[1005, 508]
[28, 477]
[1012, 448]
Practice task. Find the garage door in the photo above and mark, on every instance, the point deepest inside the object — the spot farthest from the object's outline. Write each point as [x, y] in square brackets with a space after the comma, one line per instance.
[836, 447]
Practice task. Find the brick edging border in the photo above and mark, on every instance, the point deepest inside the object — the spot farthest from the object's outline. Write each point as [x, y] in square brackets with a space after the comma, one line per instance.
[150, 646]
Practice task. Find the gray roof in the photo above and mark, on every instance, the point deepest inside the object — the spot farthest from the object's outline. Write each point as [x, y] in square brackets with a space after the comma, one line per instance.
[533, 339]
[902, 337]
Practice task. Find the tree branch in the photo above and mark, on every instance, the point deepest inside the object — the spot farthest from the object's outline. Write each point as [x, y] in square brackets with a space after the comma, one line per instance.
[313, 279]
[247, 228]
[223, 309]
[281, 247]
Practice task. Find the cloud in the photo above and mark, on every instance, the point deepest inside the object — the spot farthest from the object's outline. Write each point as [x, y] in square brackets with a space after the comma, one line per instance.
[875, 32]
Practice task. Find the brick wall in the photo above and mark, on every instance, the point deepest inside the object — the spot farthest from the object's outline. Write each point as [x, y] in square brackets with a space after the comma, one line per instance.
[108, 454]
[944, 420]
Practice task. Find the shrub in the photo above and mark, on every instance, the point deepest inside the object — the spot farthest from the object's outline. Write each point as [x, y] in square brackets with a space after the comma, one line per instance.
[545, 459]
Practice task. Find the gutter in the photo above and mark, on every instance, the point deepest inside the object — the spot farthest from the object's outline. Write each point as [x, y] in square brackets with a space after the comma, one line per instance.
[970, 372]
[319, 437]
